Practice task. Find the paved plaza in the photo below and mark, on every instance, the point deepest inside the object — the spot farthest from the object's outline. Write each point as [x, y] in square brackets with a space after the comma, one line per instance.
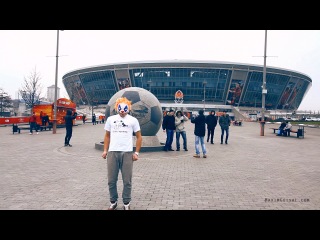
[252, 172]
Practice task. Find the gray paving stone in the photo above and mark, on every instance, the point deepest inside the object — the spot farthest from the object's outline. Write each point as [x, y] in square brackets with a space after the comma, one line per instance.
[38, 172]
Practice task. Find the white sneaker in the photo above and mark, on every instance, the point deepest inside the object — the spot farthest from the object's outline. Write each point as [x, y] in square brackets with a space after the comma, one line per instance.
[113, 206]
[37, 132]
[30, 133]
[126, 206]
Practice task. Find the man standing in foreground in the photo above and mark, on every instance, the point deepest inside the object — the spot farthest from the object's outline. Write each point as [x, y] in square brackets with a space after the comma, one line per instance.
[118, 149]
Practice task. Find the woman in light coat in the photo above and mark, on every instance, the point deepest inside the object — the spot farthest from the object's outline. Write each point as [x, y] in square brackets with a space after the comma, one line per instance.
[180, 119]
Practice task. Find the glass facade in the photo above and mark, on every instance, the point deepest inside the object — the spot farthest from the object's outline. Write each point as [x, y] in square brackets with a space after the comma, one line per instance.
[215, 83]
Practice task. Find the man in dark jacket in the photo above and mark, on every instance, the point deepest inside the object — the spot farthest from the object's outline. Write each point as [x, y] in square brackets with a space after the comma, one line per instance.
[224, 122]
[199, 132]
[211, 121]
[168, 126]
[69, 124]
[281, 128]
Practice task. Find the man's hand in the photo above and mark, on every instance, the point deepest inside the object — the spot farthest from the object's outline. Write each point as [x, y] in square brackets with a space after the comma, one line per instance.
[104, 154]
[135, 157]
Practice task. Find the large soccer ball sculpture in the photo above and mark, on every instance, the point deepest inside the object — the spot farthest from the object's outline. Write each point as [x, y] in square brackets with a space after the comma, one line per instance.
[145, 107]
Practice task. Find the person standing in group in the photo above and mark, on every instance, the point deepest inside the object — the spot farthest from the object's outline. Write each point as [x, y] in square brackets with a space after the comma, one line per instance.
[224, 122]
[168, 126]
[94, 119]
[118, 149]
[45, 119]
[199, 132]
[33, 123]
[42, 119]
[69, 124]
[180, 119]
[211, 121]
[83, 118]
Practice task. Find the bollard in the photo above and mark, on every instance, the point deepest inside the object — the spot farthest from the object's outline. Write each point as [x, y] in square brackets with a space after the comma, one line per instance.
[262, 128]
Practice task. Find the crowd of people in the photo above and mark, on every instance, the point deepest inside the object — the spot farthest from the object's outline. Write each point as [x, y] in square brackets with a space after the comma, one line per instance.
[173, 123]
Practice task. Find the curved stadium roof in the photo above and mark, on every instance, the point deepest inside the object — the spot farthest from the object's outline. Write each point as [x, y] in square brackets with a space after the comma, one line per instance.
[210, 80]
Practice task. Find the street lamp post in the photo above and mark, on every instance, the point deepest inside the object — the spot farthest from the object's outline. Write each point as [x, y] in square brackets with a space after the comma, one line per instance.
[54, 126]
[150, 85]
[92, 110]
[204, 95]
[255, 102]
[264, 90]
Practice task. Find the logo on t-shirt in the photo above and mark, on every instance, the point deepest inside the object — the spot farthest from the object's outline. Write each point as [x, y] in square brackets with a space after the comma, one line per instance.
[119, 124]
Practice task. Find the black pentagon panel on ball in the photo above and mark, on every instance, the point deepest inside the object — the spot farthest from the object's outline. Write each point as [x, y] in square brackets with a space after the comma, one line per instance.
[156, 114]
[133, 96]
[140, 111]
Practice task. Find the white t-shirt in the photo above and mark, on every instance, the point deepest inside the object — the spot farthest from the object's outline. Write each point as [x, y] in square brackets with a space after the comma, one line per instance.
[121, 132]
[288, 126]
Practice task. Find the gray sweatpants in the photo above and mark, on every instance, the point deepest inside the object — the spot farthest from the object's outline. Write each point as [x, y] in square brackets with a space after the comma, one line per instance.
[120, 161]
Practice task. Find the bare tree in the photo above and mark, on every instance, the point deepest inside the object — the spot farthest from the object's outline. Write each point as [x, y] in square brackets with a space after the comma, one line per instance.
[5, 102]
[31, 89]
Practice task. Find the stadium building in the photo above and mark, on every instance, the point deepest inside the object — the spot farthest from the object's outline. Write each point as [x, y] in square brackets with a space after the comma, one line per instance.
[202, 84]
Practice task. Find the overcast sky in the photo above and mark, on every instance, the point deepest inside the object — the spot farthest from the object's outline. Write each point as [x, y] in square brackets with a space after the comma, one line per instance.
[22, 51]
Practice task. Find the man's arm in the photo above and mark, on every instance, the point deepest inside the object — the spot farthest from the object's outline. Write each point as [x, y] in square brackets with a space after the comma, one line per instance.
[164, 123]
[135, 155]
[193, 119]
[106, 144]
[177, 121]
[138, 141]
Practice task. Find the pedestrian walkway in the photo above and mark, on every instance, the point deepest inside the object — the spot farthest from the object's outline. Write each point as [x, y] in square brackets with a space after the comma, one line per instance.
[251, 172]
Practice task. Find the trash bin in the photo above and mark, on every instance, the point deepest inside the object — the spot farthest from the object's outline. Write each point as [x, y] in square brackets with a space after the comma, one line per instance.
[15, 128]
